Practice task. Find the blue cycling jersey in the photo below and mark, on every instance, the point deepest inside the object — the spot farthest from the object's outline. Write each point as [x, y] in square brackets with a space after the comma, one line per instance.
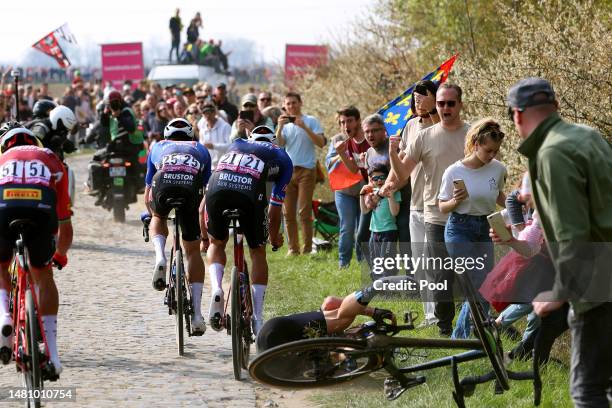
[178, 157]
[244, 164]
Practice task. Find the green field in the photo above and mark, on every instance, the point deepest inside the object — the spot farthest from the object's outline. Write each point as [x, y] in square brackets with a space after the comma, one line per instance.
[300, 284]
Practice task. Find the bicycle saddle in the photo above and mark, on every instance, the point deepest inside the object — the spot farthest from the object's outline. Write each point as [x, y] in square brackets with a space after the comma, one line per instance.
[21, 224]
[175, 202]
[233, 214]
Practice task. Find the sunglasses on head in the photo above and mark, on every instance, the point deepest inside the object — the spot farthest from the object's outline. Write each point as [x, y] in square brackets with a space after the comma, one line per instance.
[450, 104]
[379, 178]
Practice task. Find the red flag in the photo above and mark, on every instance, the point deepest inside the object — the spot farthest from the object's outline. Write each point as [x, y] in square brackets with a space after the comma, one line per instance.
[49, 45]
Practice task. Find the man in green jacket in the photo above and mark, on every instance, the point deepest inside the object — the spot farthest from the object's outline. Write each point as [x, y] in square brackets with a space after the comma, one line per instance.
[570, 167]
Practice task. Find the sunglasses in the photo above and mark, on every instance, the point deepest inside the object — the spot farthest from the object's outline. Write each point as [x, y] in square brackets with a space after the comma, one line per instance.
[265, 99]
[378, 178]
[450, 104]
[249, 105]
[511, 111]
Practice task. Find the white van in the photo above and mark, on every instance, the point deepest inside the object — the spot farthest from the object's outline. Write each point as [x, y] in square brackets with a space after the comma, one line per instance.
[188, 74]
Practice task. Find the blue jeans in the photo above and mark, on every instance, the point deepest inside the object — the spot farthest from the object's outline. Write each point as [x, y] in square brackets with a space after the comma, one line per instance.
[467, 236]
[348, 212]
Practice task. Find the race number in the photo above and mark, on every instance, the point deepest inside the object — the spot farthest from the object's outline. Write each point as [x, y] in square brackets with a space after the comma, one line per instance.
[241, 163]
[180, 159]
[28, 172]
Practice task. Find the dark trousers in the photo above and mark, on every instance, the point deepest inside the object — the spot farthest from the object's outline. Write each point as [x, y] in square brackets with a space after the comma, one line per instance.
[591, 365]
[445, 307]
[175, 47]
[363, 236]
[384, 245]
[403, 221]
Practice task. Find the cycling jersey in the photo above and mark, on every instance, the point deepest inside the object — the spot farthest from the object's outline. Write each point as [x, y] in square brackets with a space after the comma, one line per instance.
[33, 186]
[183, 162]
[284, 329]
[247, 166]
[239, 182]
[34, 177]
[179, 170]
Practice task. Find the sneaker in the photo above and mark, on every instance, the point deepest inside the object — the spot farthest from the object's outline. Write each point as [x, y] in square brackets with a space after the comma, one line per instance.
[215, 311]
[6, 338]
[159, 275]
[256, 325]
[198, 326]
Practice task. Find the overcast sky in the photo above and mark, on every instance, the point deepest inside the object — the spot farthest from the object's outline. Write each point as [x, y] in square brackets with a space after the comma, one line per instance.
[269, 23]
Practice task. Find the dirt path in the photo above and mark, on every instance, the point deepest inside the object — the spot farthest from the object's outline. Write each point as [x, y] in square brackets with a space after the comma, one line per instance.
[115, 337]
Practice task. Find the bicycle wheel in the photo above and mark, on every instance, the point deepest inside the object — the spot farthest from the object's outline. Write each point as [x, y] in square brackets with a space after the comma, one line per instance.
[247, 315]
[178, 296]
[236, 324]
[33, 374]
[487, 333]
[315, 362]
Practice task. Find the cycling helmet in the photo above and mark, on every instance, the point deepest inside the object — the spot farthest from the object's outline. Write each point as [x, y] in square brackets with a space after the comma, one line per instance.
[42, 107]
[18, 137]
[62, 114]
[262, 133]
[178, 129]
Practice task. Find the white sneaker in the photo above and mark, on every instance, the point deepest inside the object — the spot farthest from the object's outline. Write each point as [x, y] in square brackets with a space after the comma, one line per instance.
[215, 311]
[6, 338]
[198, 326]
[256, 325]
[159, 275]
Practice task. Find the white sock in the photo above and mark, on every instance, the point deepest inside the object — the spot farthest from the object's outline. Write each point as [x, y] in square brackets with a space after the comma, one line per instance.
[50, 326]
[258, 292]
[216, 276]
[196, 293]
[159, 242]
[4, 306]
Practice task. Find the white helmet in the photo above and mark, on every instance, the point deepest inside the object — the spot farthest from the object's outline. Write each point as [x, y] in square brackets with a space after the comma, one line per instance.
[178, 129]
[262, 133]
[65, 115]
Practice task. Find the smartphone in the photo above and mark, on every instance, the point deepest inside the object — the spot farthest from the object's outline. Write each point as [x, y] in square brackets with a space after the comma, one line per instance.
[460, 185]
[496, 221]
[247, 115]
[291, 119]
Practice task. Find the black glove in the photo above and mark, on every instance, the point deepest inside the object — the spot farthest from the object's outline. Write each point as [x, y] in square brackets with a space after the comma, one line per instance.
[68, 146]
[381, 314]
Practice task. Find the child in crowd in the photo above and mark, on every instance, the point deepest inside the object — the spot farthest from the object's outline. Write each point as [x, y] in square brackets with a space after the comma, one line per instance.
[470, 190]
[383, 225]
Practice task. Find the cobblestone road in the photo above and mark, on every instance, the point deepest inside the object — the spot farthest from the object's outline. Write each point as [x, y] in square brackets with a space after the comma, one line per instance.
[115, 337]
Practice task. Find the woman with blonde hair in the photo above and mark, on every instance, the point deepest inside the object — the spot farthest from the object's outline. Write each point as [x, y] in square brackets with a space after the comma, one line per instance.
[470, 189]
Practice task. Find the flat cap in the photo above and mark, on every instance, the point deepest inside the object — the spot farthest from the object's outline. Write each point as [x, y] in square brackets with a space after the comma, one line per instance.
[530, 92]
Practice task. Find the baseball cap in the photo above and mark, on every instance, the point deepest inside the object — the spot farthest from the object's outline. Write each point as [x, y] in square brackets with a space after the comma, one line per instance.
[249, 98]
[530, 92]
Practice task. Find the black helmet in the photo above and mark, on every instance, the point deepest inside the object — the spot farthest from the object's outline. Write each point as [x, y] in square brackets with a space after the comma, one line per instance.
[42, 107]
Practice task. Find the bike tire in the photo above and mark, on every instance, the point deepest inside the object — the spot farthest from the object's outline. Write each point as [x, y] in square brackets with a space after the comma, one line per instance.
[178, 293]
[247, 315]
[33, 376]
[488, 334]
[118, 210]
[315, 362]
[236, 324]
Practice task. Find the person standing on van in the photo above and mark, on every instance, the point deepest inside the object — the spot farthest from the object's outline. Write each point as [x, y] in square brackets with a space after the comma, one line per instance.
[175, 32]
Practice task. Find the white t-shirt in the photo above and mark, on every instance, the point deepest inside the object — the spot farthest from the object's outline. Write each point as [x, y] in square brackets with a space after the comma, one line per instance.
[483, 186]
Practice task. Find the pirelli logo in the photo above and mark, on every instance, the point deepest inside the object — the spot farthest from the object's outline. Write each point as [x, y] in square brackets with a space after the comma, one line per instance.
[22, 194]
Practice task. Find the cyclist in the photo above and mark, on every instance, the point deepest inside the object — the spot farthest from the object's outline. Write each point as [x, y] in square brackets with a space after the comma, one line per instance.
[336, 315]
[239, 182]
[34, 186]
[178, 167]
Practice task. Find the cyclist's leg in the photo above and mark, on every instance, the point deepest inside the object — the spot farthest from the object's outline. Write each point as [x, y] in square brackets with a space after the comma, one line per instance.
[191, 236]
[218, 235]
[41, 247]
[159, 234]
[256, 232]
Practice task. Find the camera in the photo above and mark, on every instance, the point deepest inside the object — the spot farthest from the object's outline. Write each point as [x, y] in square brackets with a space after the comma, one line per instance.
[15, 73]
